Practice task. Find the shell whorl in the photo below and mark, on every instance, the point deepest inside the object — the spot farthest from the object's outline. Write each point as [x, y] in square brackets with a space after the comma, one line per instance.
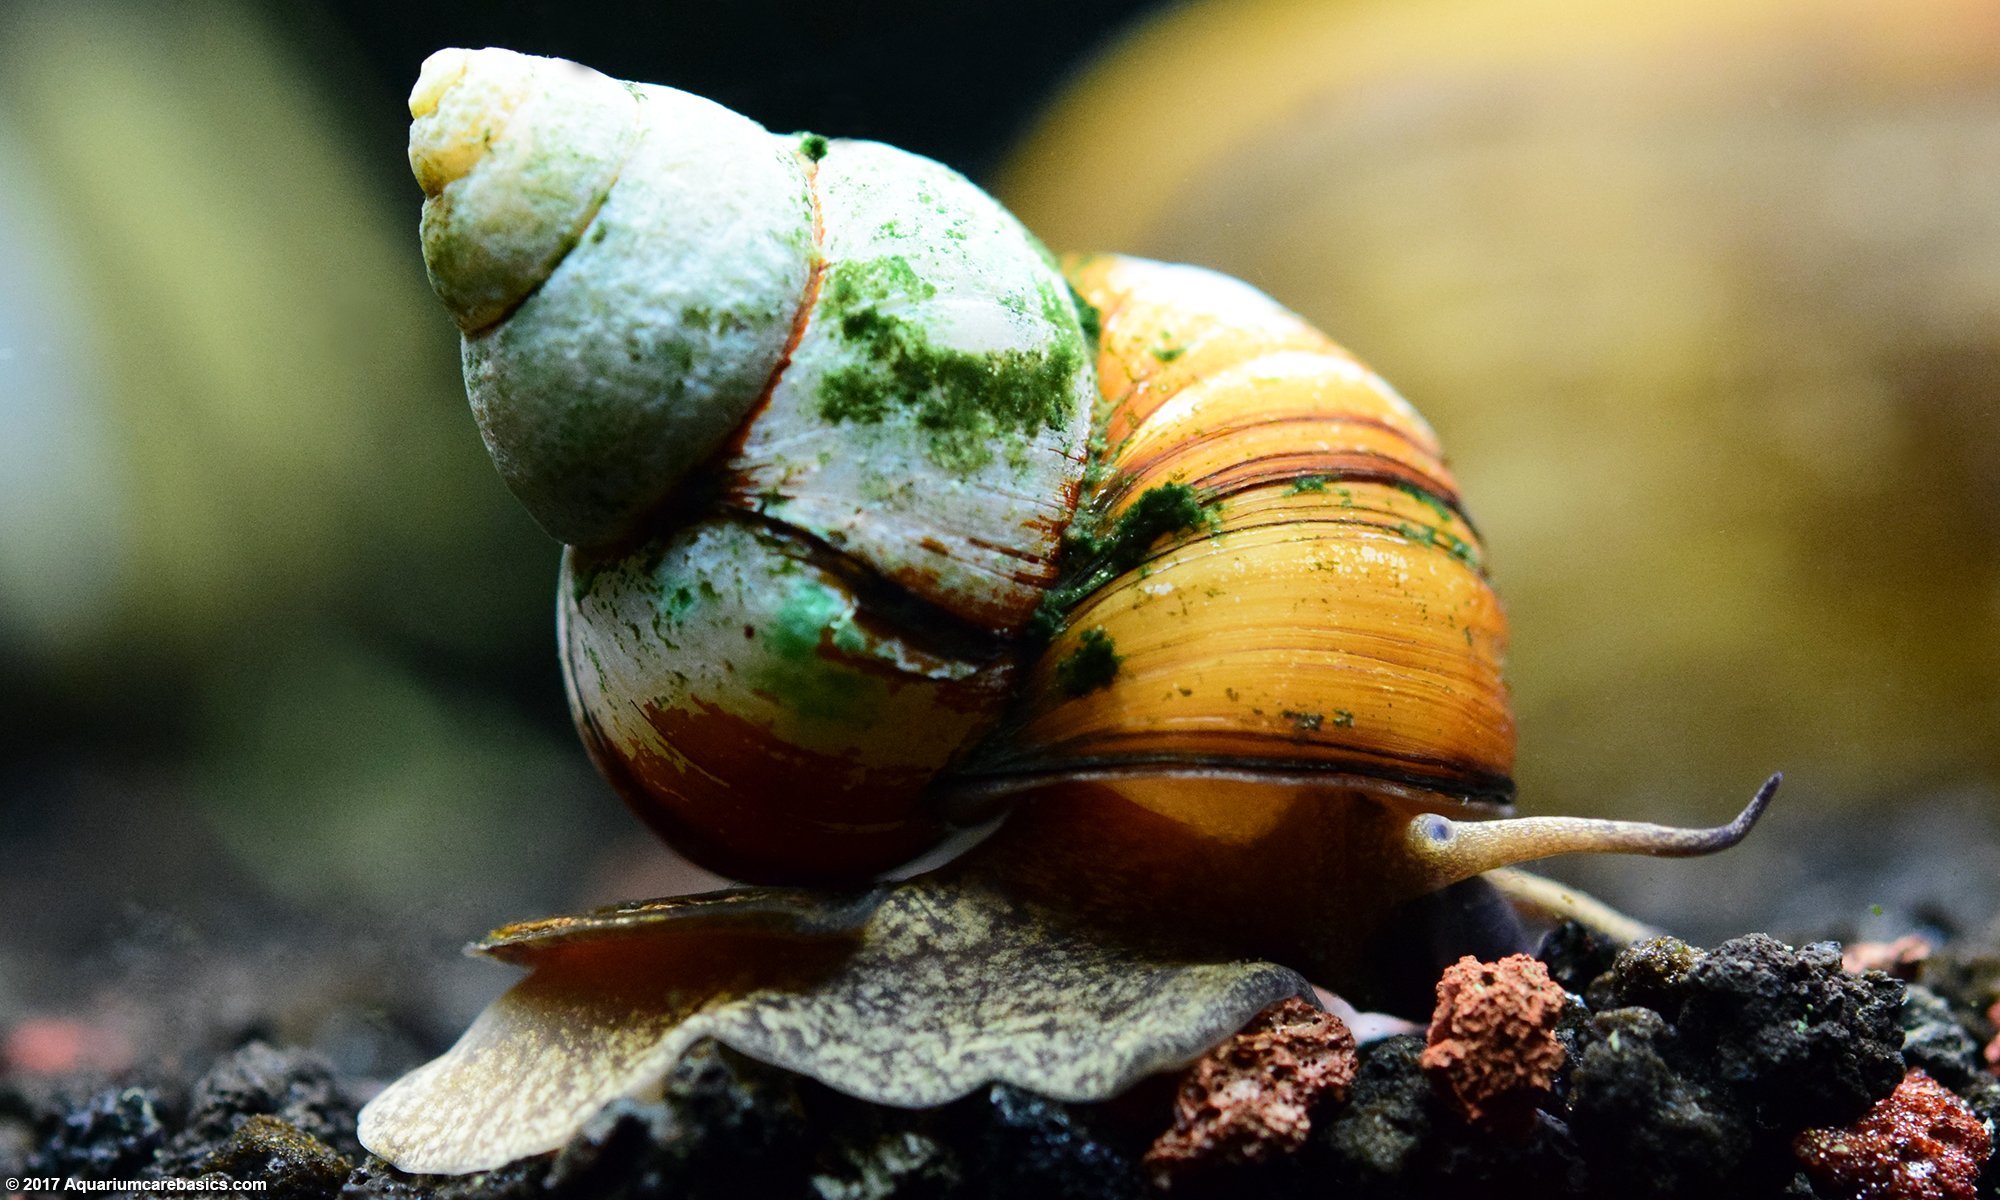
[1275, 578]
[812, 416]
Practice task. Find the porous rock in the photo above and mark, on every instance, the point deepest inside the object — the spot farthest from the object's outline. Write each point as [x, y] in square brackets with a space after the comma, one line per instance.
[1491, 1050]
[1966, 971]
[1935, 1040]
[1783, 1031]
[1645, 1128]
[1650, 974]
[116, 1133]
[1919, 1143]
[291, 1163]
[1649, 1103]
[895, 1162]
[1029, 1145]
[295, 1086]
[725, 1125]
[1379, 1135]
[275, 1116]
[1902, 958]
[1393, 1140]
[1250, 1099]
[1805, 1042]
[1575, 954]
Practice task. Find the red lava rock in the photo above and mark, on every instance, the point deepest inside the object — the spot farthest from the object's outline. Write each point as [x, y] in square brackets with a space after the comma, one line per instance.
[1249, 1099]
[1491, 1050]
[60, 1045]
[1898, 958]
[1920, 1143]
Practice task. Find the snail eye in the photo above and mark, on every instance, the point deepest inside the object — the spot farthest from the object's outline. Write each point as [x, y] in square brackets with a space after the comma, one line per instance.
[1435, 828]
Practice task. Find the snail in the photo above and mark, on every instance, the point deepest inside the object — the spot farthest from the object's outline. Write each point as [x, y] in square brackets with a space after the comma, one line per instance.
[880, 522]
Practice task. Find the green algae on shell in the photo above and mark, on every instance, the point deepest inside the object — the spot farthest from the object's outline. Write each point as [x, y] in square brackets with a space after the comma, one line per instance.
[750, 652]
[931, 420]
[1091, 665]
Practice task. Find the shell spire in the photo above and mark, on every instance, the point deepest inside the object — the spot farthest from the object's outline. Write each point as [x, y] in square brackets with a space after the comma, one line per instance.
[626, 264]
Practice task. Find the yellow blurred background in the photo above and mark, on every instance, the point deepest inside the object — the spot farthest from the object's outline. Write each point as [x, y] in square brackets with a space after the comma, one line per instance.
[1703, 298]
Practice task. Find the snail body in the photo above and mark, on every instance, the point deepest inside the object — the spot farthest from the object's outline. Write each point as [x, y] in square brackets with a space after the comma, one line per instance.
[869, 535]
[880, 522]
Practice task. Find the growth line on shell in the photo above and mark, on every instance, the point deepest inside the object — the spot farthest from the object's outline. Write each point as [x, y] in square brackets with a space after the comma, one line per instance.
[808, 299]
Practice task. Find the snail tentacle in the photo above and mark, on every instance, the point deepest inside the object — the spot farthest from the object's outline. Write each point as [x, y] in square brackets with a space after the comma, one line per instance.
[1445, 851]
[1539, 898]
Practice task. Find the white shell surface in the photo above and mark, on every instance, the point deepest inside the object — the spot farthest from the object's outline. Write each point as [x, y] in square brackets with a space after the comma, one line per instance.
[514, 154]
[931, 421]
[656, 334]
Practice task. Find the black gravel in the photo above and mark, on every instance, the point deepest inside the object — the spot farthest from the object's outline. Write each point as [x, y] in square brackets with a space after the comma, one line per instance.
[1688, 1073]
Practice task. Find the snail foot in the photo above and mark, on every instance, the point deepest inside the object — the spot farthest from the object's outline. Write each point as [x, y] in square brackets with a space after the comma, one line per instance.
[912, 996]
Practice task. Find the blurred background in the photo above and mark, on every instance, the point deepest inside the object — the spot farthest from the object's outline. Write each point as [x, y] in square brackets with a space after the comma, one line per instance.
[1704, 300]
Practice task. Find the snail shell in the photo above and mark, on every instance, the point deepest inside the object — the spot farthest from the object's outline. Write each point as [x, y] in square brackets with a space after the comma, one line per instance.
[875, 518]
[1207, 605]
